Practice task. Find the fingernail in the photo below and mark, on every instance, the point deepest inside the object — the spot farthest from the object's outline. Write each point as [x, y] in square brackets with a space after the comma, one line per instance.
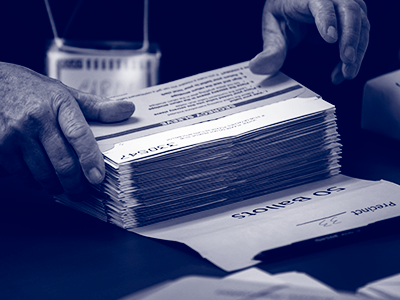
[127, 108]
[332, 32]
[350, 53]
[337, 79]
[351, 71]
[95, 176]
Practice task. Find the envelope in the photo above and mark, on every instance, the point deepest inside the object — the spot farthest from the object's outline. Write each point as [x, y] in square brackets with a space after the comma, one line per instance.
[318, 212]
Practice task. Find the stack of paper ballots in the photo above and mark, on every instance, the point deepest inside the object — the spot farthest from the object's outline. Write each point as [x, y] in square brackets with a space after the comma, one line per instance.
[209, 140]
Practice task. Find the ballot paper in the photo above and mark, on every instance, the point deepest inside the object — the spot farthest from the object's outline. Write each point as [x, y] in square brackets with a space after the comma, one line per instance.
[209, 140]
[197, 99]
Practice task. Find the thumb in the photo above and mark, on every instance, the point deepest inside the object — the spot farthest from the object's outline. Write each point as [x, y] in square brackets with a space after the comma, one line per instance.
[271, 59]
[101, 108]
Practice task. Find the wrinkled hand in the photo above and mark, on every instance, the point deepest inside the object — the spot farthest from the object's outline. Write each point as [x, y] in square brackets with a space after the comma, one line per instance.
[44, 137]
[287, 22]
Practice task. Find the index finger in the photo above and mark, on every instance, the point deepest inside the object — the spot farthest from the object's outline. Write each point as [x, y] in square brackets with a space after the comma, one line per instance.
[324, 14]
[350, 16]
[79, 135]
[354, 38]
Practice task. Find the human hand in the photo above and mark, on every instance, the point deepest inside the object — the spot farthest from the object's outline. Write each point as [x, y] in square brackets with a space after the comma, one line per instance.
[44, 137]
[287, 22]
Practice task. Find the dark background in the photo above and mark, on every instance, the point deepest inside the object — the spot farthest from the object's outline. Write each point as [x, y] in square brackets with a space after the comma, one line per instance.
[197, 36]
[48, 251]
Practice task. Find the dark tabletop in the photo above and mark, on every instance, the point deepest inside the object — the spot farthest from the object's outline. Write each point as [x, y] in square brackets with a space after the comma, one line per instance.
[49, 251]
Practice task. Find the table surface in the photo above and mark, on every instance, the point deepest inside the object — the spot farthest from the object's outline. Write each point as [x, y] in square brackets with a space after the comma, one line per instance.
[49, 251]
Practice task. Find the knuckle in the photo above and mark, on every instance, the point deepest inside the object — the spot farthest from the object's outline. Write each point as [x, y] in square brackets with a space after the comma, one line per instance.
[323, 11]
[36, 114]
[60, 97]
[92, 108]
[362, 5]
[354, 7]
[21, 121]
[66, 167]
[350, 5]
[75, 131]
[350, 9]
[82, 140]
[88, 159]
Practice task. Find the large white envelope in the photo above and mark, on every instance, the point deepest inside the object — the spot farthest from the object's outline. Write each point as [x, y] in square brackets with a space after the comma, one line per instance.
[231, 236]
